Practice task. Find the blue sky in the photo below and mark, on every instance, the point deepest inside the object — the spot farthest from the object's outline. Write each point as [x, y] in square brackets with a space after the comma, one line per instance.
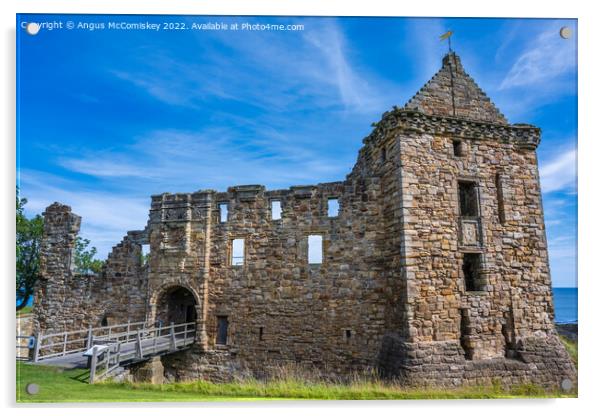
[108, 117]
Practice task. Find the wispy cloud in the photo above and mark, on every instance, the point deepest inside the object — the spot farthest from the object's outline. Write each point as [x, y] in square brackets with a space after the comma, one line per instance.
[422, 38]
[218, 157]
[354, 91]
[106, 167]
[313, 67]
[560, 173]
[545, 59]
[106, 216]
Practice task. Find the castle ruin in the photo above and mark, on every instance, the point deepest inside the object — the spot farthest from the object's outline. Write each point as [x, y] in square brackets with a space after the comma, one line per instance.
[428, 263]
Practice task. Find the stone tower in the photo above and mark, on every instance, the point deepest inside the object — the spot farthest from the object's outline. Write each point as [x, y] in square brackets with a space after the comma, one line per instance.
[428, 262]
[477, 302]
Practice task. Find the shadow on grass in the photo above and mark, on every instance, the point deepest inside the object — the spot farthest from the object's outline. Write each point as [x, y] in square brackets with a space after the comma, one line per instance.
[82, 377]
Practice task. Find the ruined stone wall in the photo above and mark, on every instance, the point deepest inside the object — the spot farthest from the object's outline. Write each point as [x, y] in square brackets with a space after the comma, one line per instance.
[280, 309]
[58, 291]
[120, 293]
[67, 301]
[179, 235]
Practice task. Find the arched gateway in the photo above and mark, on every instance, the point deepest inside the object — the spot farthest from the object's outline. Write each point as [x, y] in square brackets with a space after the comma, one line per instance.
[176, 304]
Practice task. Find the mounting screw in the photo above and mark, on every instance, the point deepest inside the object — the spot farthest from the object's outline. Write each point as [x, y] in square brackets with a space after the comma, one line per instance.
[32, 388]
[566, 384]
[565, 32]
[32, 28]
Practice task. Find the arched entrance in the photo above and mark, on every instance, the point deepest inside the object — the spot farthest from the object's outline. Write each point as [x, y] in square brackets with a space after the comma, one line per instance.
[176, 304]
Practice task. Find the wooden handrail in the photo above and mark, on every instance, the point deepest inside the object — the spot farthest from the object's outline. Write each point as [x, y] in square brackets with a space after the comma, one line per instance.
[157, 344]
[134, 342]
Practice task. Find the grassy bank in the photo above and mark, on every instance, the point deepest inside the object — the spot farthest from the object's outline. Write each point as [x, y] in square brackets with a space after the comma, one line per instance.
[26, 310]
[70, 386]
[571, 348]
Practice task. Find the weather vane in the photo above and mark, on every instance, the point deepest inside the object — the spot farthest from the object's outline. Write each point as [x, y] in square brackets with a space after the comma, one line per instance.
[447, 35]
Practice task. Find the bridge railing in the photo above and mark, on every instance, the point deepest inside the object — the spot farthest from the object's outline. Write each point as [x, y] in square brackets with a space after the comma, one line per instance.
[103, 363]
[23, 347]
[68, 342]
[137, 346]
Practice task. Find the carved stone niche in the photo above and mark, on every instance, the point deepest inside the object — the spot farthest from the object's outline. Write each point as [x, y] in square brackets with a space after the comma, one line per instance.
[470, 232]
[176, 214]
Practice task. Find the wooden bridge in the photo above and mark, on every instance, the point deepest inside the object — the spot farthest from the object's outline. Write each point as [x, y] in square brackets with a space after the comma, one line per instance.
[106, 349]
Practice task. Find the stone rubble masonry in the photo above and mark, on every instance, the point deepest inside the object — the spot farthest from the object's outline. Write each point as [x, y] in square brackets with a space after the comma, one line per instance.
[150, 371]
[468, 101]
[390, 294]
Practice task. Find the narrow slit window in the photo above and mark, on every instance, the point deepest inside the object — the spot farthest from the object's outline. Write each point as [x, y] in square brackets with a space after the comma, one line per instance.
[276, 210]
[458, 148]
[383, 154]
[499, 185]
[471, 265]
[469, 199]
[314, 249]
[223, 212]
[333, 207]
[465, 334]
[348, 335]
[261, 333]
[222, 330]
[238, 252]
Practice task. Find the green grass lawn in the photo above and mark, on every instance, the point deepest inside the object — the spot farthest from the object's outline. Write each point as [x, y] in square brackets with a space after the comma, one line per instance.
[24, 311]
[70, 386]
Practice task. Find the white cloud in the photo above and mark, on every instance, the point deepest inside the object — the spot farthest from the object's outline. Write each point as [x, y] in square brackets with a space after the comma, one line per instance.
[560, 173]
[216, 158]
[106, 217]
[308, 69]
[105, 167]
[547, 57]
[334, 68]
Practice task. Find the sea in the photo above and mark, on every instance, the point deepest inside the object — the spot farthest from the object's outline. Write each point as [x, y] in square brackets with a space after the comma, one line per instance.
[565, 304]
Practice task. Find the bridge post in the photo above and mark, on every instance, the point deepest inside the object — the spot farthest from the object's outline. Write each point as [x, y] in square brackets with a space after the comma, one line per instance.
[127, 332]
[118, 353]
[172, 332]
[36, 348]
[89, 341]
[93, 364]
[139, 344]
[155, 342]
[65, 344]
[107, 360]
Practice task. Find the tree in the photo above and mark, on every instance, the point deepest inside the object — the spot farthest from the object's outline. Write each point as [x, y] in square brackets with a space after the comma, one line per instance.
[85, 263]
[28, 238]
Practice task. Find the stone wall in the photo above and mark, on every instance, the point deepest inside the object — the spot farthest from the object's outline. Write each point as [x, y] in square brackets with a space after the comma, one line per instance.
[65, 300]
[541, 361]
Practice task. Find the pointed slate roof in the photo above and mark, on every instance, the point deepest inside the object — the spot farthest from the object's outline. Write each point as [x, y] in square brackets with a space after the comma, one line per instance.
[452, 92]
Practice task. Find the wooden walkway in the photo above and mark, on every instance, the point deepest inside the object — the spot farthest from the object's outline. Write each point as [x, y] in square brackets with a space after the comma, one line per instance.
[105, 349]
